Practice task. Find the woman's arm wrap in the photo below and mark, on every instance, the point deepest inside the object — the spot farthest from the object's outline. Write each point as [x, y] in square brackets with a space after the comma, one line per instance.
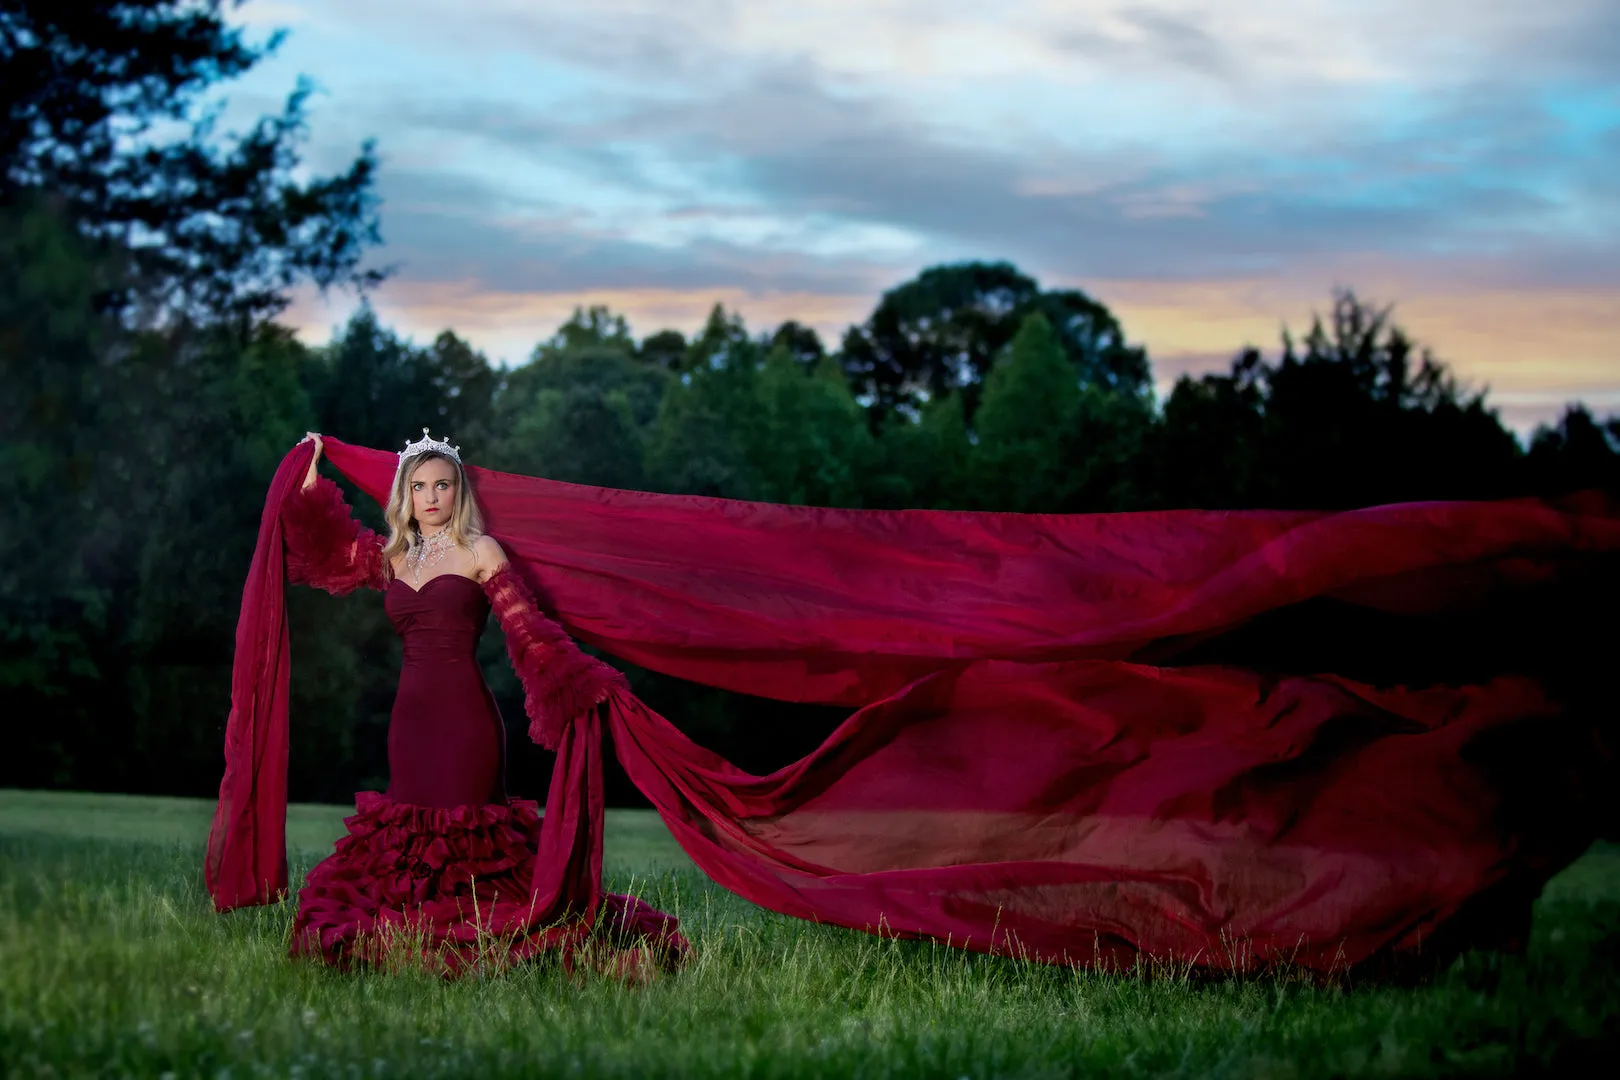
[326, 547]
[560, 682]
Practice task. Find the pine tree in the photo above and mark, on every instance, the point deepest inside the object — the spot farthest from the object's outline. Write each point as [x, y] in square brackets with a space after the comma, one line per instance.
[1023, 427]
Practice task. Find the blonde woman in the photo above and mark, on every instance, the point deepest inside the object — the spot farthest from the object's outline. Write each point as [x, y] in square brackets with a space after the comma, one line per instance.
[446, 741]
[443, 853]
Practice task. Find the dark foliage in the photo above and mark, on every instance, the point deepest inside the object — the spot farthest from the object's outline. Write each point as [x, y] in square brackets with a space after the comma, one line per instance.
[941, 332]
[137, 281]
[212, 228]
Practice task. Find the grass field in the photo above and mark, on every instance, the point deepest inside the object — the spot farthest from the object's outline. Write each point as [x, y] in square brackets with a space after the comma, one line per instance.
[113, 964]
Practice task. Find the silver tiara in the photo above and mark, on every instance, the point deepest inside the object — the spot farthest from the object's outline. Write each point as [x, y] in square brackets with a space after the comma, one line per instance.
[428, 443]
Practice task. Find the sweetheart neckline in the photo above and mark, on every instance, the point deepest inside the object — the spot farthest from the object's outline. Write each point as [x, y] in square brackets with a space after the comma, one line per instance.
[431, 580]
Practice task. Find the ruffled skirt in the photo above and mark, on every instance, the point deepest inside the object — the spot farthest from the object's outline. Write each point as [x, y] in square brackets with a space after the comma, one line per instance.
[449, 889]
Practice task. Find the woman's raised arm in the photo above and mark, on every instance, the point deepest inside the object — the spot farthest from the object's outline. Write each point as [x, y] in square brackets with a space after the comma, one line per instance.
[326, 547]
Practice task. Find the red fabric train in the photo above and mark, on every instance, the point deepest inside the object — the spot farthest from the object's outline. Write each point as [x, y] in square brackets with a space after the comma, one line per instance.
[1070, 740]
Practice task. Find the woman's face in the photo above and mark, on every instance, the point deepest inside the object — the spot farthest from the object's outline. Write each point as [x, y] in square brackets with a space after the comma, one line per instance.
[433, 493]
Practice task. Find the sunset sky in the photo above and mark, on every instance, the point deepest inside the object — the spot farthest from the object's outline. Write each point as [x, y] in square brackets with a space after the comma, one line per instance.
[1210, 171]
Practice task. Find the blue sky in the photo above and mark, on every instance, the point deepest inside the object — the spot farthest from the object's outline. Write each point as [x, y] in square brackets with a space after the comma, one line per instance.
[1209, 171]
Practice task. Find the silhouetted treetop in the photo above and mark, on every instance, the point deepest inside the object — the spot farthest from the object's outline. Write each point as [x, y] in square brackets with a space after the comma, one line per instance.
[219, 227]
[941, 332]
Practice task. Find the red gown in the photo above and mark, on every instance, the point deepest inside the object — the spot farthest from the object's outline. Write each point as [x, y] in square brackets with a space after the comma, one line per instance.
[1082, 739]
[441, 865]
[446, 743]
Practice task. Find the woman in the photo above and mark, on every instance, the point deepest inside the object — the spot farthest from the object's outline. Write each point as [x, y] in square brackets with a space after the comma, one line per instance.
[441, 865]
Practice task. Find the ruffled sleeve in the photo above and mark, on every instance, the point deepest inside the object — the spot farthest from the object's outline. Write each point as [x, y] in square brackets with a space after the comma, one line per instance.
[326, 547]
[560, 682]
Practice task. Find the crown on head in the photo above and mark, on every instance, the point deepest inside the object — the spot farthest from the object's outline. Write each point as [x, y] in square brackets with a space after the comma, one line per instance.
[428, 443]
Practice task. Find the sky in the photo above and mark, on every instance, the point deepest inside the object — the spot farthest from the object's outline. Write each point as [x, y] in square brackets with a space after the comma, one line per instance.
[1210, 171]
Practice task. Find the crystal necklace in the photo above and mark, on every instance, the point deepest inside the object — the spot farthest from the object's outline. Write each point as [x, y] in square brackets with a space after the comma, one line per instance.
[428, 552]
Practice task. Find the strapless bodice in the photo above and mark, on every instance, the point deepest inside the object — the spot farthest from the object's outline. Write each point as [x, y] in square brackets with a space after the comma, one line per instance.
[441, 621]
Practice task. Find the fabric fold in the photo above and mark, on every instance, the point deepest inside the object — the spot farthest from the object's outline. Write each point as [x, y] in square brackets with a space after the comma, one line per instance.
[246, 862]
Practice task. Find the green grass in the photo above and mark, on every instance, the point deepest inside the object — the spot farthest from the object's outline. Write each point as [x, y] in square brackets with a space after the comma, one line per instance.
[113, 964]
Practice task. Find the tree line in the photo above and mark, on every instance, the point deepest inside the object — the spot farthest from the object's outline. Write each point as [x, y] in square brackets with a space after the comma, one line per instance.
[142, 272]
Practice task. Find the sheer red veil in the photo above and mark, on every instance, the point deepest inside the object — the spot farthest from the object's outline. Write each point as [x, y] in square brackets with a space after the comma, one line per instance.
[1218, 736]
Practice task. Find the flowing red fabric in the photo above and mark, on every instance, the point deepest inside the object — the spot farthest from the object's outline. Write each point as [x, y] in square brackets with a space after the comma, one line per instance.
[1024, 772]
[247, 843]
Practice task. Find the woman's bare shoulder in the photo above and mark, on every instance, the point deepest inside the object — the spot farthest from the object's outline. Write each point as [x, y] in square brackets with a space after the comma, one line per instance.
[488, 556]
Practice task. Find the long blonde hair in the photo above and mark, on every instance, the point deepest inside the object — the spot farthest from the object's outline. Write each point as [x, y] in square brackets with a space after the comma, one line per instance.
[466, 520]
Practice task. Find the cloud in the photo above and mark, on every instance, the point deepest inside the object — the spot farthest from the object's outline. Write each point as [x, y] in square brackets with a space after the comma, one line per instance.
[1298, 43]
[456, 228]
[781, 153]
[1180, 42]
[1456, 156]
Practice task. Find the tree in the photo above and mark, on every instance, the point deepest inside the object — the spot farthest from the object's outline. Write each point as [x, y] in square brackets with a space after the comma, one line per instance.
[1577, 453]
[941, 332]
[578, 414]
[1362, 417]
[1094, 341]
[53, 345]
[665, 349]
[464, 385]
[205, 419]
[596, 325]
[1106, 447]
[216, 230]
[800, 342]
[709, 420]
[723, 343]
[1025, 427]
[580, 408]
[146, 459]
[137, 273]
[699, 443]
[371, 387]
[1365, 417]
[934, 335]
[1206, 450]
[813, 446]
[923, 461]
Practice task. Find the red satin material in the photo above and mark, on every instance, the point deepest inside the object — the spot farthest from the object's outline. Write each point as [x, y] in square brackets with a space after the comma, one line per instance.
[246, 861]
[1015, 779]
[1083, 812]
